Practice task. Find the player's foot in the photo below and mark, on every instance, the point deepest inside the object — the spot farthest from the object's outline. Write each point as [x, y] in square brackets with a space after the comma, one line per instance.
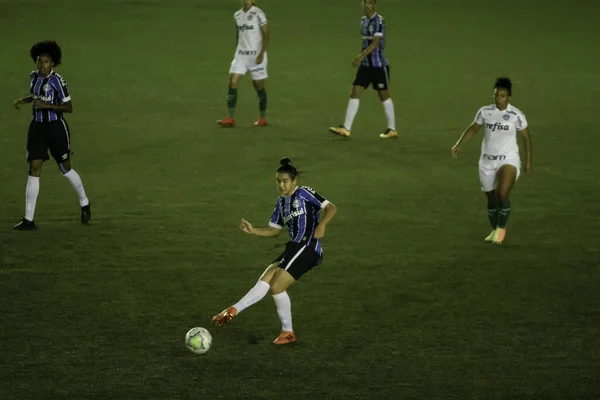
[225, 316]
[261, 122]
[86, 214]
[24, 225]
[388, 134]
[285, 337]
[227, 122]
[340, 130]
[490, 237]
[499, 235]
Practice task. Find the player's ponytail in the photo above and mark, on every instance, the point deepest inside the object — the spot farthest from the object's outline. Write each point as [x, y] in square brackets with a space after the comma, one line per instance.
[286, 167]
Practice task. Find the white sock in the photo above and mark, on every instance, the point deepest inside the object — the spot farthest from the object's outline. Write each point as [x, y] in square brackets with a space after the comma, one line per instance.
[284, 310]
[253, 296]
[31, 195]
[75, 180]
[351, 113]
[388, 106]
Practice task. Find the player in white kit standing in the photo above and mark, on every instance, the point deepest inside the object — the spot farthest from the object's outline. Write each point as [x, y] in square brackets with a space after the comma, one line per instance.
[500, 162]
[251, 55]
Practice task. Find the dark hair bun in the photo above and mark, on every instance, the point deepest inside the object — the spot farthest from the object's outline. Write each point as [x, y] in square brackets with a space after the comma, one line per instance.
[285, 161]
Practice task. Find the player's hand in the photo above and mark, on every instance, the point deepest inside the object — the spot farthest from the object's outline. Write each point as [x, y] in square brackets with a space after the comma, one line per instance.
[356, 62]
[40, 104]
[246, 226]
[260, 58]
[18, 103]
[319, 232]
[455, 150]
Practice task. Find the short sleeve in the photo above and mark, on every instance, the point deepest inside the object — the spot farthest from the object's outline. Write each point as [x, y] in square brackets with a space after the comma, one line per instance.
[313, 197]
[380, 28]
[276, 219]
[61, 87]
[521, 121]
[262, 18]
[479, 117]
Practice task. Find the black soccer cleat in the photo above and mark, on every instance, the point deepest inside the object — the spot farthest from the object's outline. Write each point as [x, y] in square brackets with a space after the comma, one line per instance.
[25, 225]
[86, 214]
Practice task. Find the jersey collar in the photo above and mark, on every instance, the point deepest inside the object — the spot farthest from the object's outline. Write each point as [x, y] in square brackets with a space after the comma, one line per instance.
[249, 10]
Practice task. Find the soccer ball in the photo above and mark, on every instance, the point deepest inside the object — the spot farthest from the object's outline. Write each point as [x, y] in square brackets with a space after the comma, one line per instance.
[198, 340]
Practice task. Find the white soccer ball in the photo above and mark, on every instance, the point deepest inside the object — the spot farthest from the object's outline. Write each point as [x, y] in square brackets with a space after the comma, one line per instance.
[198, 340]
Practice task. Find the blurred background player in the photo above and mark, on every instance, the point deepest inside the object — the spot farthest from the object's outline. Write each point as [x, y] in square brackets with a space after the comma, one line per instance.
[48, 129]
[298, 210]
[373, 69]
[252, 39]
[500, 163]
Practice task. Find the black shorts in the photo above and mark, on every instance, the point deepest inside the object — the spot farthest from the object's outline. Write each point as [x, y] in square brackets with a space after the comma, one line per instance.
[54, 136]
[379, 77]
[298, 259]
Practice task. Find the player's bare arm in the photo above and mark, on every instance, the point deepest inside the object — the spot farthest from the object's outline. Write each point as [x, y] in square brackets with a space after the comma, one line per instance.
[328, 214]
[267, 232]
[19, 102]
[237, 34]
[358, 59]
[465, 137]
[63, 108]
[526, 139]
[265, 43]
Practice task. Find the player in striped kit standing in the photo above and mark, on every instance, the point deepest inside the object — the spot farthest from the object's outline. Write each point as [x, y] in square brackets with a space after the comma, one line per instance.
[252, 37]
[297, 209]
[373, 69]
[48, 130]
[500, 162]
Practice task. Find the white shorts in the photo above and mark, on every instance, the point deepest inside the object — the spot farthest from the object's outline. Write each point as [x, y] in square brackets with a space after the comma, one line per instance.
[489, 165]
[245, 61]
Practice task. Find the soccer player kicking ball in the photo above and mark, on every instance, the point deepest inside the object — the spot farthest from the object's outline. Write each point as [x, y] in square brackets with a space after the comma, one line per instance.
[500, 163]
[251, 55]
[373, 69]
[297, 209]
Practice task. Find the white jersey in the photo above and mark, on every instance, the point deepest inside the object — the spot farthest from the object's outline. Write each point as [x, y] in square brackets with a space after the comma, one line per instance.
[500, 129]
[248, 25]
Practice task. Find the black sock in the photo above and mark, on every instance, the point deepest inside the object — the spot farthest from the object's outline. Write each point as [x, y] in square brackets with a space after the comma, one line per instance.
[262, 102]
[503, 212]
[232, 101]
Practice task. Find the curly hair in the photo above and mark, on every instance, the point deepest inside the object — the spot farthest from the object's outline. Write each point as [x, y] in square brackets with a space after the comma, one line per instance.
[504, 83]
[49, 47]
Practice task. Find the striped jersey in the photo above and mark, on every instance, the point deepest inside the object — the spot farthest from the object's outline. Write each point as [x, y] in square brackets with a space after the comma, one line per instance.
[501, 129]
[299, 213]
[370, 28]
[52, 90]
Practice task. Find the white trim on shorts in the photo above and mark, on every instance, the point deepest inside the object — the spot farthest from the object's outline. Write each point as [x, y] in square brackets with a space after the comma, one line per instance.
[289, 264]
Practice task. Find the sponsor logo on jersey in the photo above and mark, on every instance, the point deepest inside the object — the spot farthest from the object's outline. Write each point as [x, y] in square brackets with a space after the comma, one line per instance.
[497, 126]
[245, 27]
[293, 214]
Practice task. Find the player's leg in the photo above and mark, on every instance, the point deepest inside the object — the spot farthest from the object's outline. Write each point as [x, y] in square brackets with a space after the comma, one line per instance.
[492, 212]
[381, 81]
[506, 178]
[60, 148]
[259, 78]
[232, 96]
[253, 296]
[361, 82]
[37, 153]
[279, 284]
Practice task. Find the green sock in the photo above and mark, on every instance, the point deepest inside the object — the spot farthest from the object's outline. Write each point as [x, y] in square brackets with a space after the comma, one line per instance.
[503, 212]
[493, 215]
[262, 102]
[232, 101]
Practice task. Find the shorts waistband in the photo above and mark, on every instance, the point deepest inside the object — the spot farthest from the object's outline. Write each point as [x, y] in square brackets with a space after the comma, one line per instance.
[247, 52]
[493, 157]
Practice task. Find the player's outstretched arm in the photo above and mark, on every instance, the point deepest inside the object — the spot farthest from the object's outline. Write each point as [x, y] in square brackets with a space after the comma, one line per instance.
[527, 144]
[19, 102]
[267, 232]
[465, 137]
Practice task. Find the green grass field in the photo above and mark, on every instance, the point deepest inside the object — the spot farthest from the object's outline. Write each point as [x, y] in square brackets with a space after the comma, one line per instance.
[410, 302]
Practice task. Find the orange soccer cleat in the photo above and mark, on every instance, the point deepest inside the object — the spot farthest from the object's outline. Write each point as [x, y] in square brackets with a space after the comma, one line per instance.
[261, 122]
[225, 316]
[499, 236]
[285, 337]
[227, 122]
